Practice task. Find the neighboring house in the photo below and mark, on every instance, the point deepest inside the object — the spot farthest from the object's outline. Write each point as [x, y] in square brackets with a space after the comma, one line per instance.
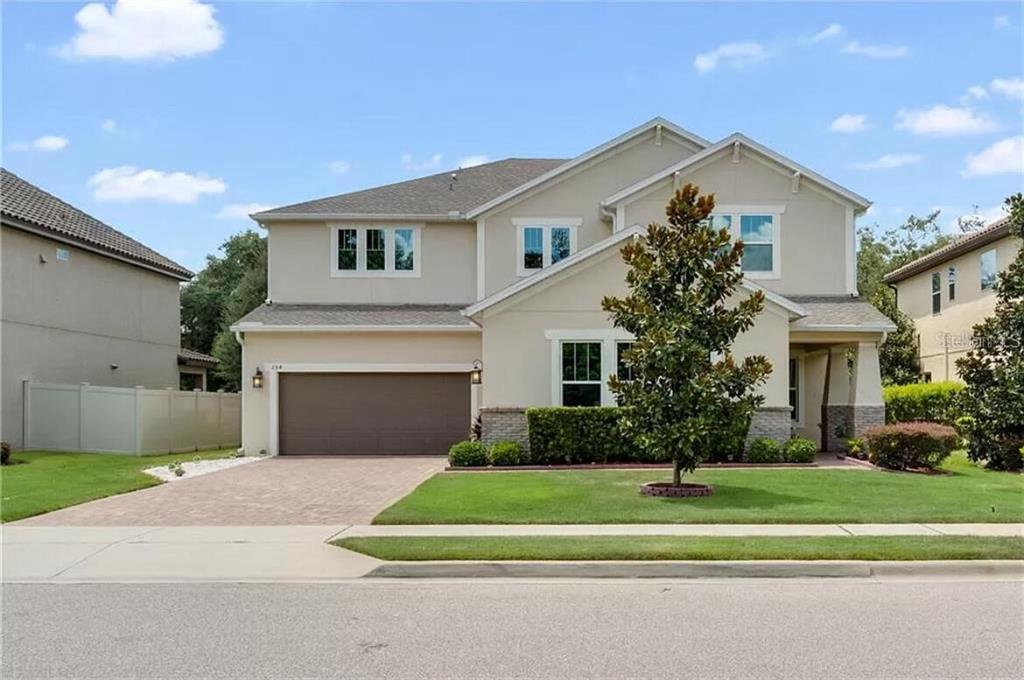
[81, 302]
[950, 290]
[387, 305]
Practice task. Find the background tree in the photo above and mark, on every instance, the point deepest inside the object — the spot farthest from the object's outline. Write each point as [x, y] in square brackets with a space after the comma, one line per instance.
[897, 355]
[993, 400]
[684, 317]
[229, 286]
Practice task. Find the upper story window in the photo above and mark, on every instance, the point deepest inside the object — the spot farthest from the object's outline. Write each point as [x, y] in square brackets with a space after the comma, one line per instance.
[952, 283]
[384, 251]
[759, 229]
[989, 270]
[542, 242]
[936, 293]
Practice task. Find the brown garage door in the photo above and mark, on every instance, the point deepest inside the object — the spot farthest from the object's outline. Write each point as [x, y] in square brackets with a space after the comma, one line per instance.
[372, 413]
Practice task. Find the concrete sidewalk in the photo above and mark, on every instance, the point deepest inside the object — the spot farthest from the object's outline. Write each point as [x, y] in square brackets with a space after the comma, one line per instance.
[221, 553]
[685, 530]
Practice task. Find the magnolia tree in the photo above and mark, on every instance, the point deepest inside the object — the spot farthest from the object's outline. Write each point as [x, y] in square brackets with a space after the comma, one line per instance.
[686, 386]
[993, 402]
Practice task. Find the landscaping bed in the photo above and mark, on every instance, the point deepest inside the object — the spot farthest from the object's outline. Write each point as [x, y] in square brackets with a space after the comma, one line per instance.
[49, 480]
[967, 493]
[407, 548]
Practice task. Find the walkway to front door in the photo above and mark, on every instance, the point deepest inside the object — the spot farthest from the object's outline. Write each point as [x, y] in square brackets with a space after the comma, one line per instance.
[277, 491]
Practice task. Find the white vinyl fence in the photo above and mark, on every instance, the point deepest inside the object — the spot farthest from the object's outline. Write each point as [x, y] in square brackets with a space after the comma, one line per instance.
[135, 421]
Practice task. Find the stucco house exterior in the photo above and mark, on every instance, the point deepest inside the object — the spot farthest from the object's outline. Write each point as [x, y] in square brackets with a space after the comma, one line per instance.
[949, 291]
[81, 302]
[398, 313]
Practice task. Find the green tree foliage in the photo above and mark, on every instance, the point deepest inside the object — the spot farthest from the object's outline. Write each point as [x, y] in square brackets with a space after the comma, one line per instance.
[230, 286]
[897, 355]
[993, 400]
[684, 316]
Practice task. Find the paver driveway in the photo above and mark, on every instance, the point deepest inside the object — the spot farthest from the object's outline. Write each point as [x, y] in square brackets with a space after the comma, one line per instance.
[281, 491]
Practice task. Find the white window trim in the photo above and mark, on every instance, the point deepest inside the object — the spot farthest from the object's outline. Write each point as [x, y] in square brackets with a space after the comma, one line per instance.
[389, 271]
[547, 224]
[736, 212]
[608, 337]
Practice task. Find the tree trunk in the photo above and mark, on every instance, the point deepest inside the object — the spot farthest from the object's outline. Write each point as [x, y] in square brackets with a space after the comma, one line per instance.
[677, 473]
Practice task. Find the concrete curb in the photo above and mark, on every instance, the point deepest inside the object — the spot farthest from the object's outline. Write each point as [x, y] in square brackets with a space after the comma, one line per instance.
[702, 569]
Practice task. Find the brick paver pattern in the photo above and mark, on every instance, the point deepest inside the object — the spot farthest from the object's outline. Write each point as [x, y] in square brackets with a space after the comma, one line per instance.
[277, 491]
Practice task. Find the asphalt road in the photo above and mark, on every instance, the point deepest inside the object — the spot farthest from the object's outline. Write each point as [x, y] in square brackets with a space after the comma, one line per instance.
[417, 629]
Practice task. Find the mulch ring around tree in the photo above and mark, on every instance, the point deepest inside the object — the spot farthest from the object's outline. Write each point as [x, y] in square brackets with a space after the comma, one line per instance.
[670, 490]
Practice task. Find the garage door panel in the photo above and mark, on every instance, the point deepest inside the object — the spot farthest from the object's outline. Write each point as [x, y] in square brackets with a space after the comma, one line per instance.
[372, 413]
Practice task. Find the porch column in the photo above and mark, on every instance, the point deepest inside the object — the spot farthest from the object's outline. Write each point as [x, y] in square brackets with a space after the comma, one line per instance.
[868, 403]
[836, 416]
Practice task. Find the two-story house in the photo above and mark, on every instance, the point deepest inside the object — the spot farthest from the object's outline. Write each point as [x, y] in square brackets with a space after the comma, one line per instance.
[949, 291]
[397, 314]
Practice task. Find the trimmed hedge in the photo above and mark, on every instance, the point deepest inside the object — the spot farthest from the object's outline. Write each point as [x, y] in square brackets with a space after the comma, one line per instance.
[911, 446]
[764, 450]
[579, 434]
[932, 402]
[467, 454]
[506, 454]
[799, 450]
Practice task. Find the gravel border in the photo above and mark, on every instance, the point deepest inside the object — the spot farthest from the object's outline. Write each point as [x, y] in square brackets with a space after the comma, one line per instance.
[199, 467]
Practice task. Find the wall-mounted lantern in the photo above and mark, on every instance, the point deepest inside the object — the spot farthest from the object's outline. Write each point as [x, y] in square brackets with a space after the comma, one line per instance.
[476, 375]
[257, 380]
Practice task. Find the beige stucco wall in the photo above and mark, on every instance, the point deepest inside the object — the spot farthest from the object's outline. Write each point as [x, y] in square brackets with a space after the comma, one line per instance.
[67, 322]
[944, 336]
[576, 196]
[300, 259]
[815, 242]
[517, 355]
[264, 350]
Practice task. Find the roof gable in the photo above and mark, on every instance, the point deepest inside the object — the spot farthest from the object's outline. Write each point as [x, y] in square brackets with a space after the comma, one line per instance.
[27, 206]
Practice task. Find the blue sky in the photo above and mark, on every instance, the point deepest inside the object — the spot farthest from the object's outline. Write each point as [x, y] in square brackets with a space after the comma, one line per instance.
[168, 121]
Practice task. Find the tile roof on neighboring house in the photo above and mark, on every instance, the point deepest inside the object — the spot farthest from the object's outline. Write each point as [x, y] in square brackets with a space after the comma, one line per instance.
[436, 195]
[190, 357]
[276, 316]
[25, 205]
[962, 244]
[834, 312]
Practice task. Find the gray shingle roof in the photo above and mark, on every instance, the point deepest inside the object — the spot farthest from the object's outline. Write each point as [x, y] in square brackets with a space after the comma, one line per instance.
[840, 311]
[354, 315]
[963, 244]
[434, 195]
[191, 357]
[25, 202]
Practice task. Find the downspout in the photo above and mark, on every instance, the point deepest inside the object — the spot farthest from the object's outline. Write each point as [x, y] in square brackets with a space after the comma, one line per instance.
[610, 214]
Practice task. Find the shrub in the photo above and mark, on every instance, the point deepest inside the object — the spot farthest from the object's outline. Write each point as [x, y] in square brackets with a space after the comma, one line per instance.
[507, 453]
[799, 450]
[857, 448]
[5, 453]
[934, 402]
[764, 450]
[573, 435]
[467, 454]
[917, 445]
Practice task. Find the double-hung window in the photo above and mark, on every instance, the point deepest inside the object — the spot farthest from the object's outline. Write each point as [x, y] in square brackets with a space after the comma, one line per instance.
[581, 373]
[989, 270]
[623, 369]
[936, 293]
[378, 251]
[542, 242]
[759, 229]
[951, 275]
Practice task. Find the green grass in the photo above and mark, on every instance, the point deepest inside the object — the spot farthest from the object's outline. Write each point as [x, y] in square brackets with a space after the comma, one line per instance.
[50, 480]
[744, 496]
[687, 548]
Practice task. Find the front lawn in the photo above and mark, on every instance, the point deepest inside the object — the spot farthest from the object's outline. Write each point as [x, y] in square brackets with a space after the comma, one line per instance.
[798, 496]
[50, 480]
[686, 547]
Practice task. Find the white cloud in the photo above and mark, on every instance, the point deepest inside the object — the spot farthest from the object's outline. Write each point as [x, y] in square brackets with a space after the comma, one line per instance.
[145, 29]
[45, 143]
[339, 167]
[241, 211]
[849, 123]
[1005, 156]
[126, 183]
[470, 161]
[830, 31]
[1010, 87]
[982, 216]
[735, 55]
[890, 160]
[432, 163]
[975, 92]
[109, 125]
[944, 121]
[876, 51]
[1001, 23]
